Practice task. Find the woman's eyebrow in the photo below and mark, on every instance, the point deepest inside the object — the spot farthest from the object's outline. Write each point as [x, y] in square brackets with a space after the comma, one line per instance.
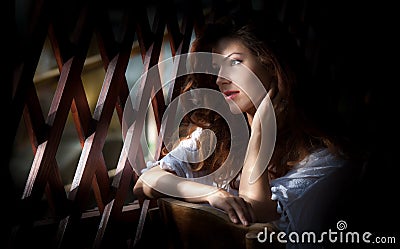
[229, 55]
[226, 57]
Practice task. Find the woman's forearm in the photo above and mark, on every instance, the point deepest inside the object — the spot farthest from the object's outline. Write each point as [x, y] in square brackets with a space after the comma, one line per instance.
[254, 182]
[156, 183]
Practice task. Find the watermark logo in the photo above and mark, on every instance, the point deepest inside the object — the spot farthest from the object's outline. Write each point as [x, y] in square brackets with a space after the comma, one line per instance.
[139, 100]
[331, 236]
[341, 225]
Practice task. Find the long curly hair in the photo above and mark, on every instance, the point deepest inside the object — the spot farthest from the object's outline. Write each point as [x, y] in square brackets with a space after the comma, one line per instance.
[206, 119]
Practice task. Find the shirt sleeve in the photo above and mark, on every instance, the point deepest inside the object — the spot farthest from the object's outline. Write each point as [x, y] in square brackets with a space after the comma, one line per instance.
[178, 160]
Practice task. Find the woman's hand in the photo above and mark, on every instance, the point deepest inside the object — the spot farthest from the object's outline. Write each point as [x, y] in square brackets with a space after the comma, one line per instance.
[238, 210]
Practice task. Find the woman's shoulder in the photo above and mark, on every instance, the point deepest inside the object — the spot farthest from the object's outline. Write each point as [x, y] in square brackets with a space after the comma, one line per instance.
[322, 156]
[319, 162]
[318, 165]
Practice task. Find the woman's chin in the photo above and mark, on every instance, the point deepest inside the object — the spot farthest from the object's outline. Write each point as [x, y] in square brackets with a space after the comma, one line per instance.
[235, 108]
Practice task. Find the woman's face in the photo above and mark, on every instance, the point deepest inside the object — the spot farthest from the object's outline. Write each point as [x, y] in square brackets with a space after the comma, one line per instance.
[241, 76]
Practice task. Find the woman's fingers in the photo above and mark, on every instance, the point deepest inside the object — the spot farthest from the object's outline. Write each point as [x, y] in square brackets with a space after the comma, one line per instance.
[244, 211]
[239, 211]
[232, 214]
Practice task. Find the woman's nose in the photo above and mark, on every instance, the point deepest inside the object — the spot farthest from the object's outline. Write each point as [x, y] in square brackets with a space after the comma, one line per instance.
[221, 79]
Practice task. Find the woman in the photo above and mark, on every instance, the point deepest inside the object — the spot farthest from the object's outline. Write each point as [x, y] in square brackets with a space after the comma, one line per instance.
[307, 168]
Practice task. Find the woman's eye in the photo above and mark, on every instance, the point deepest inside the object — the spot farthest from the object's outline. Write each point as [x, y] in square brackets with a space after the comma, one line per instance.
[235, 62]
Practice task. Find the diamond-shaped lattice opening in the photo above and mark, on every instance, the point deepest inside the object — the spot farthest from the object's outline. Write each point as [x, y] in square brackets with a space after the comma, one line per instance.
[68, 153]
[166, 67]
[46, 76]
[93, 74]
[135, 65]
[174, 22]
[21, 158]
[113, 145]
[149, 136]
[192, 38]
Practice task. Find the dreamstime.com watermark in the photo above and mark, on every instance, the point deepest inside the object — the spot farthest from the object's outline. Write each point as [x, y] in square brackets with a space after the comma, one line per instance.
[330, 236]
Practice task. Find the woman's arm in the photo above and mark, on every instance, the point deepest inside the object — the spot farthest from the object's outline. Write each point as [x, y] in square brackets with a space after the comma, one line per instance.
[156, 179]
[258, 195]
[254, 182]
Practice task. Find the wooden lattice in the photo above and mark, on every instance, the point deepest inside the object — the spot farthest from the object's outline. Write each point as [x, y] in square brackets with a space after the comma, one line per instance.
[70, 35]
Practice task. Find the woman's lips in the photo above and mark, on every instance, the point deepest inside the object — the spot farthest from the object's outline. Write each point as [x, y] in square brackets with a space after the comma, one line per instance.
[231, 94]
